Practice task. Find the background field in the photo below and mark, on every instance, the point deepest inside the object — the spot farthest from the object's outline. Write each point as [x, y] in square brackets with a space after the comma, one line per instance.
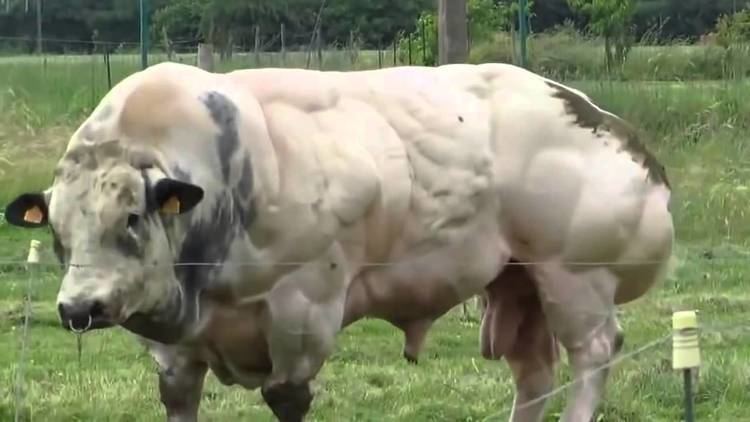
[697, 128]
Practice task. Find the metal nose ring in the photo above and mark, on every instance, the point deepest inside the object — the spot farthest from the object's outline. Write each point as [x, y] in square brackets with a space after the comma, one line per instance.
[83, 330]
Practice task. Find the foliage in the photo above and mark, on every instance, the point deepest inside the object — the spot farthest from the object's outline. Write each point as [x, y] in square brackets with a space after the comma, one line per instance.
[485, 18]
[610, 19]
[733, 29]
[378, 22]
[421, 46]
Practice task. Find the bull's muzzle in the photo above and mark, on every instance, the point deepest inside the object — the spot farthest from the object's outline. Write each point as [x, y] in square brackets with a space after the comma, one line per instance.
[83, 316]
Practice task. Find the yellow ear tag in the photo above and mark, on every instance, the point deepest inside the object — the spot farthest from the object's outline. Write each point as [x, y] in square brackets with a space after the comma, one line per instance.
[33, 215]
[171, 206]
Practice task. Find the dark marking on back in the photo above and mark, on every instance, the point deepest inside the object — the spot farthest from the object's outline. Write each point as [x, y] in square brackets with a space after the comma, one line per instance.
[588, 116]
[224, 114]
[242, 194]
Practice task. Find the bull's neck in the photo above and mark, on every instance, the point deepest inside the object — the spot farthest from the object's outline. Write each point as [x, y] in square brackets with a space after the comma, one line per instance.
[169, 322]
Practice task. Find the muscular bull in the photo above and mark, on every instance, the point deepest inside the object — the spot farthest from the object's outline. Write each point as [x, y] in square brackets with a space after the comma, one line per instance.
[239, 221]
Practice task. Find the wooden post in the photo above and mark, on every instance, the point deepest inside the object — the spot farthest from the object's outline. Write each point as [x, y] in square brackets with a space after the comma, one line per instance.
[424, 44]
[38, 26]
[394, 52]
[206, 56]
[283, 44]
[167, 46]
[410, 49]
[319, 48]
[257, 45]
[452, 40]
[352, 54]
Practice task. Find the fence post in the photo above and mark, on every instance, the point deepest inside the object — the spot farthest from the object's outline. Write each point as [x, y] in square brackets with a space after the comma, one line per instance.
[424, 44]
[39, 26]
[31, 260]
[144, 11]
[394, 51]
[206, 57]
[319, 48]
[108, 64]
[452, 43]
[257, 45]
[686, 353]
[283, 44]
[410, 49]
[523, 31]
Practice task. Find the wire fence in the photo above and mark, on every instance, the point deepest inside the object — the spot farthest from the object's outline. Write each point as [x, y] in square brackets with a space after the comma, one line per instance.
[35, 262]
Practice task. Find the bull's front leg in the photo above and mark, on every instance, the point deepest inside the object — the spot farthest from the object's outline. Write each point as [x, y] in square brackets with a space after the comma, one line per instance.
[180, 383]
[306, 312]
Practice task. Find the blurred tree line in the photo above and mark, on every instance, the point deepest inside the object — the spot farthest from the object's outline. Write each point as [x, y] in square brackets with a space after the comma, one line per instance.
[368, 23]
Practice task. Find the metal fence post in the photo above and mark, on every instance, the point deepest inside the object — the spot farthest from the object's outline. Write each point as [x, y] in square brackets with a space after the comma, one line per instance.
[144, 10]
[523, 31]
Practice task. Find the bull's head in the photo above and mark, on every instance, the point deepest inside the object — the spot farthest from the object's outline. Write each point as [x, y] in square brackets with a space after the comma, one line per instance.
[110, 219]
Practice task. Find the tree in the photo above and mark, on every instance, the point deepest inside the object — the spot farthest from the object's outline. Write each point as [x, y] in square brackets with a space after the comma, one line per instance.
[610, 19]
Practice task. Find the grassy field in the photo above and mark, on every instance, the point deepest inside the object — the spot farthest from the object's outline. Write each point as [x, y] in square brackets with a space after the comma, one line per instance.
[699, 131]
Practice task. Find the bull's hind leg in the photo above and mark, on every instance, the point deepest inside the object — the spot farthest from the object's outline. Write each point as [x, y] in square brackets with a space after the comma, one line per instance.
[581, 311]
[514, 327]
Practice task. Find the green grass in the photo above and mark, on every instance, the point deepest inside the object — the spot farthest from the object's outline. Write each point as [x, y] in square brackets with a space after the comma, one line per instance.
[697, 129]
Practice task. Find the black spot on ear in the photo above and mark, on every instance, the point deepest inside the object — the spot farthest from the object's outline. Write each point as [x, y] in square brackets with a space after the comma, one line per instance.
[224, 113]
[188, 194]
[16, 210]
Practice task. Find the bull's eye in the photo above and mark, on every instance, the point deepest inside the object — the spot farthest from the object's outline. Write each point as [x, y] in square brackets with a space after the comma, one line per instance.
[133, 220]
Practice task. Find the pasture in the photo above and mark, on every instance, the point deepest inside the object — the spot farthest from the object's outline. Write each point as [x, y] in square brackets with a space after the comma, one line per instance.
[697, 129]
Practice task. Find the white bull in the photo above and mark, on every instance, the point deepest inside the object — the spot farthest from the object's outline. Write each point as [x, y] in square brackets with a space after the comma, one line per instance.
[321, 198]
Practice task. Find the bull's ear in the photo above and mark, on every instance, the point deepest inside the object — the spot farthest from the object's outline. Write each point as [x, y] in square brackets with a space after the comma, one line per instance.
[27, 210]
[176, 197]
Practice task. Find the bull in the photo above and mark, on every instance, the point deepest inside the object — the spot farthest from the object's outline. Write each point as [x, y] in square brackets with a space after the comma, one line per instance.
[237, 222]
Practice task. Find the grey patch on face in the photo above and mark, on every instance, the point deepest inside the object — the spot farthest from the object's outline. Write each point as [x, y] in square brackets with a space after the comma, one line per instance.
[104, 113]
[181, 174]
[224, 113]
[588, 116]
[57, 246]
[87, 133]
[128, 246]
